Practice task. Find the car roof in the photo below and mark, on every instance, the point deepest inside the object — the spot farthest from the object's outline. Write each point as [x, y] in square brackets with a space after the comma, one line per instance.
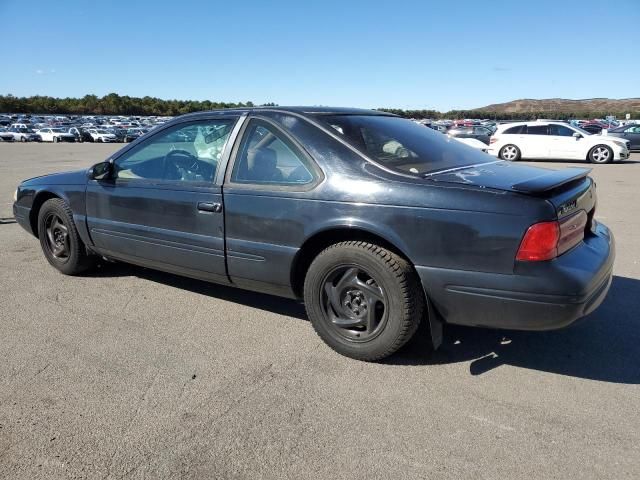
[299, 110]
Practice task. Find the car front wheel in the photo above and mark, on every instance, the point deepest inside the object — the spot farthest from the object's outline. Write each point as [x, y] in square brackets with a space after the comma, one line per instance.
[59, 239]
[601, 154]
[510, 153]
[364, 301]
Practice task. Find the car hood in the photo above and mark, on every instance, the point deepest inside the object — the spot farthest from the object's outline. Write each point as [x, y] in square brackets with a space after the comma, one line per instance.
[76, 177]
[509, 176]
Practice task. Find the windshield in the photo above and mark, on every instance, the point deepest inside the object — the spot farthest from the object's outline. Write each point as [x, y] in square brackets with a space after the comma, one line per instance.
[403, 145]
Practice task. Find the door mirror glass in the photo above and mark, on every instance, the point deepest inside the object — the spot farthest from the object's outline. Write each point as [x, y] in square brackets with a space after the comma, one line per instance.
[100, 171]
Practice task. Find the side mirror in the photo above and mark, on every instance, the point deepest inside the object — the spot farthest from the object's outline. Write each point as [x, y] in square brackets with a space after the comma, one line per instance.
[100, 171]
[577, 135]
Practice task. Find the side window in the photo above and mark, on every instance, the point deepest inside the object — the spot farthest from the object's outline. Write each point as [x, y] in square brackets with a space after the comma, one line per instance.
[635, 129]
[517, 130]
[268, 157]
[536, 129]
[560, 130]
[186, 153]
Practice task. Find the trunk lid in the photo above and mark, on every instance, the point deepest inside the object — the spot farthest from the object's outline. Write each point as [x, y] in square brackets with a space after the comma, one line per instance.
[568, 189]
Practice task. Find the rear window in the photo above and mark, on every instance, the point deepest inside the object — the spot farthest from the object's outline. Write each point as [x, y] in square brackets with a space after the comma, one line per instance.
[401, 144]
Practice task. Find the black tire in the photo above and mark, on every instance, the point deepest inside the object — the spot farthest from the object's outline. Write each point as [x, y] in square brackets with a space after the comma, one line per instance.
[56, 139]
[75, 259]
[23, 139]
[510, 153]
[390, 316]
[600, 154]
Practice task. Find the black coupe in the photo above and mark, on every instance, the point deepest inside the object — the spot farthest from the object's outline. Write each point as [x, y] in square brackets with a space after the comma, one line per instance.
[375, 221]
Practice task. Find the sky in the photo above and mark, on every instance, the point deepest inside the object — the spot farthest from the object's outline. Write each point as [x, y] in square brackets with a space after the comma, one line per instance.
[398, 54]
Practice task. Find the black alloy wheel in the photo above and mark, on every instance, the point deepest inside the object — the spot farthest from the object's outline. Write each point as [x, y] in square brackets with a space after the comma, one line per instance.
[354, 303]
[57, 236]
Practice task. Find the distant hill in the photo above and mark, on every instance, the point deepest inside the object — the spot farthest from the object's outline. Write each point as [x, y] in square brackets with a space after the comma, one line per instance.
[623, 105]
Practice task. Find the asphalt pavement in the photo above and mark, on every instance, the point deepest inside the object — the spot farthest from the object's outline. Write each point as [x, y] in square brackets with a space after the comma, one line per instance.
[131, 373]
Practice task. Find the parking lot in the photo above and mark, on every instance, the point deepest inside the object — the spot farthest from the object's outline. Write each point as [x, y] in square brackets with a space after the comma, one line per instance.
[132, 373]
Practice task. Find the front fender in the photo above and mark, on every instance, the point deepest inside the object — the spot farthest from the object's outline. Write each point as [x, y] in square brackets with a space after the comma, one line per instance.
[31, 198]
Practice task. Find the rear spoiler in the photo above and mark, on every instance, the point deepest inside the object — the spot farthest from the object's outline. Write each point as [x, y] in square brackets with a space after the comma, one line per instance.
[551, 180]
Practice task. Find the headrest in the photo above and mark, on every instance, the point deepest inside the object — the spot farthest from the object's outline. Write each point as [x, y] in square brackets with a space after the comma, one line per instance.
[261, 159]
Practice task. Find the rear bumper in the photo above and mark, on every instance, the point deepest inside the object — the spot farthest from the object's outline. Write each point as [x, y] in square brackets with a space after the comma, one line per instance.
[538, 296]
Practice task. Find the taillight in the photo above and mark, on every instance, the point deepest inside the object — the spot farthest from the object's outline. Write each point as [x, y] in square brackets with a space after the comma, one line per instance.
[547, 240]
[492, 140]
[540, 242]
[572, 231]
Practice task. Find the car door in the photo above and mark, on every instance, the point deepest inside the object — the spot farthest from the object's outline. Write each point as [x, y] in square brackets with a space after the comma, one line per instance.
[632, 134]
[161, 205]
[535, 142]
[562, 143]
[267, 182]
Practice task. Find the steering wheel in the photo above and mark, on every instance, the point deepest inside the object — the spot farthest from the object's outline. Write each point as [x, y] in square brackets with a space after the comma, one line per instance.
[179, 159]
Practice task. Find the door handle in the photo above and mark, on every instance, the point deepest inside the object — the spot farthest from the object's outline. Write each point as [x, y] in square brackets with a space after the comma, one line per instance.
[210, 207]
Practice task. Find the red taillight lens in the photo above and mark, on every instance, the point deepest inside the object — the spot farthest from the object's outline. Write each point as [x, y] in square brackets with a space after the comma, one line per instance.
[492, 140]
[547, 240]
[540, 242]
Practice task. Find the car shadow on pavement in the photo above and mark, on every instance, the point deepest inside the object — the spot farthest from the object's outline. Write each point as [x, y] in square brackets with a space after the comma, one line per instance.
[604, 346]
[281, 306]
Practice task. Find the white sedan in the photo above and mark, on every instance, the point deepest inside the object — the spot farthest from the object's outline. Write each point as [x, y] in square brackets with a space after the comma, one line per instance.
[55, 135]
[100, 135]
[554, 140]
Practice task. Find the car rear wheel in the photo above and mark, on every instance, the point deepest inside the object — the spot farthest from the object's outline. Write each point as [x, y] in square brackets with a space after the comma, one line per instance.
[364, 301]
[59, 239]
[601, 154]
[23, 139]
[56, 139]
[510, 153]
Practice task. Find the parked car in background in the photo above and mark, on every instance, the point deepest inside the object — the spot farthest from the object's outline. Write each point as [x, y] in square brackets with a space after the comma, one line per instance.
[630, 132]
[592, 128]
[555, 140]
[55, 134]
[5, 135]
[24, 135]
[479, 133]
[438, 128]
[378, 223]
[101, 135]
[133, 133]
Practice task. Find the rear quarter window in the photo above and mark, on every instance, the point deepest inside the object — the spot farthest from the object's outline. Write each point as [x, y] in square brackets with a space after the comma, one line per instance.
[517, 130]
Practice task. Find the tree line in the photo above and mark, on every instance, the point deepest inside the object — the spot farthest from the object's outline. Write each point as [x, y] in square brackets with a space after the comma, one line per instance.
[556, 115]
[114, 104]
[111, 104]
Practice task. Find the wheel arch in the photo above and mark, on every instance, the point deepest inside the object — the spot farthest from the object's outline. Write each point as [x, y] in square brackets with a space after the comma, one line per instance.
[321, 239]
[38, 201]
